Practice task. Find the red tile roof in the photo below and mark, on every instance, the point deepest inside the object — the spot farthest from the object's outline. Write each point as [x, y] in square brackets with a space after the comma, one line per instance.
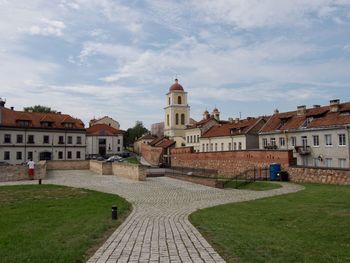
[231, 129]
[102, 130]
[313, 118]
[162, 142]
[10, 118]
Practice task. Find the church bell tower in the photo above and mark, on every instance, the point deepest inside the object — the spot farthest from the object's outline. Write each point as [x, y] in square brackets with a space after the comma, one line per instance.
[177, 113]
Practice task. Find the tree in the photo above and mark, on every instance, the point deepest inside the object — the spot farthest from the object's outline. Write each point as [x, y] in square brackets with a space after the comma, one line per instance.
[135, 132]
[39, 108]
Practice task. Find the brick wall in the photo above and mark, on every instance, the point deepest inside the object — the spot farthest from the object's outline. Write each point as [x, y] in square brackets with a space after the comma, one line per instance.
[230, 163]
[319, 175]
[20, 172]
[68, 165]
[130, 171]
[151, 154]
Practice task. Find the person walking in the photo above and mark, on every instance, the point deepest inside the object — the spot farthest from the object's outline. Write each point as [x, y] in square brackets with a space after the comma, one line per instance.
[31, 167]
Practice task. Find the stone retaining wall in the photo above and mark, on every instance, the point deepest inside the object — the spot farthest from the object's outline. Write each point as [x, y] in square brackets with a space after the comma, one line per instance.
[103, 168]
[130, 171]
[319, 175]
[20, 172]
[68, 165]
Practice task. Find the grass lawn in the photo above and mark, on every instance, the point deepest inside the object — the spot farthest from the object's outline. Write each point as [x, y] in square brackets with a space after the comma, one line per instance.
[47, 223]
[132, 159]
[256, 186]
[309, 226]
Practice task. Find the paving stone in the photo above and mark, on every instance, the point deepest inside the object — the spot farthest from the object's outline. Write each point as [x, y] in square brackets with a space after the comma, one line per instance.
[158, 230]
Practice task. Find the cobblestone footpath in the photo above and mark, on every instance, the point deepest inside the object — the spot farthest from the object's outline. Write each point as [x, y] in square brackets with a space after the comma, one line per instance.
[158, 229]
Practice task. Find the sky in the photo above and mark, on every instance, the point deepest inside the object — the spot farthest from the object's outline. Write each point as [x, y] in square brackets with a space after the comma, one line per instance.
[91, 58]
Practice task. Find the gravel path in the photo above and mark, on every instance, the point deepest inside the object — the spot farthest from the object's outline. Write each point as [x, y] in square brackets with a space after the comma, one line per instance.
[158, 229]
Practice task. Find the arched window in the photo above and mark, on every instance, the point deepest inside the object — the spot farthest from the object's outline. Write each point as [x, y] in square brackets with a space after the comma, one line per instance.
[169, 101]
[177, 118]
[179, 100]
[183, 119]
[167, 119]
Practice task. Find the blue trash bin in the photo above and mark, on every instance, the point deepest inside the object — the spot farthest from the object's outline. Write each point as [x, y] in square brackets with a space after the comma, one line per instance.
[275, 169]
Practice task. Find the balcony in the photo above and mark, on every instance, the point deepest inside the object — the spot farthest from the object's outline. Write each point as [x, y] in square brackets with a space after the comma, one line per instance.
[303, 150]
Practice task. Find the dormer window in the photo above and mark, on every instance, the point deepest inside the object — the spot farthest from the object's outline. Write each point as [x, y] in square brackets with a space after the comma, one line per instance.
[68, 125]
[23, 123]
[46, 124]
[306, 122]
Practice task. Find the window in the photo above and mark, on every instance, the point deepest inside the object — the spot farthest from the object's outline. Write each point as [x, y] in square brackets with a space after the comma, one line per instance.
[222, 146]
[168, 101]
[30, 138]
[328, 162]
[342, 163]
[118, 141]
[179, 100]
[273, 141]
[197, 138]
[6, 156]
[211, 147]
[293, 140]
[79, 140]
[316, 140]
[304, 141]
[342, 139]
[68, 125]
[19, 138]
[7, 138]
[46, 139]
[203, 148]
[176, 118]
[182, 119]
[207, 147]
[316, 162]
[60, 140]
[78, 154]
[188, 139]
[216, 147]
[230, 146]
[239, 146]
[191, 139]
[69, 155]
[167, 119]
[264, 142]
[328, 138]
[118, 149]
[234, 146]
[60, 155]
[69, 139]
[282, 141]
[18, 155]
[23, 123]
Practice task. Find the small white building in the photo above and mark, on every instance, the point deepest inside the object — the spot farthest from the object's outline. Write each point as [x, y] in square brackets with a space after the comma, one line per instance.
[105, 120]
[103, 140]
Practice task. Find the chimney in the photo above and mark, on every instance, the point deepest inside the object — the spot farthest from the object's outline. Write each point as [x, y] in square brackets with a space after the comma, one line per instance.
[317, 106]
[216, 114]
[334, 105]
[58, 112]
[236, 120]
[230, 120]
[276, 111]
[12, 108]
[301, 110]
[2, 103]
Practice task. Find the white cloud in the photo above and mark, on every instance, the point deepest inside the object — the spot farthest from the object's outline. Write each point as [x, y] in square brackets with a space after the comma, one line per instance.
[47, 28]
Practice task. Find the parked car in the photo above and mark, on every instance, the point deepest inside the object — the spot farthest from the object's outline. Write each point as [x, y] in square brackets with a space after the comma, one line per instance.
[4, 164]
[100, 158]
[114, 158]
[125, 154]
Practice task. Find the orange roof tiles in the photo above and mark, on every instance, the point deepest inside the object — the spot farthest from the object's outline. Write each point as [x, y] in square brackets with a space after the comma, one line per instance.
[102, 130]
[229, 129]
[11, 118]
[313, 118]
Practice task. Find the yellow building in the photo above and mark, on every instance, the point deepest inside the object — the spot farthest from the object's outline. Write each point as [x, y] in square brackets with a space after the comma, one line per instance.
[177, 114]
